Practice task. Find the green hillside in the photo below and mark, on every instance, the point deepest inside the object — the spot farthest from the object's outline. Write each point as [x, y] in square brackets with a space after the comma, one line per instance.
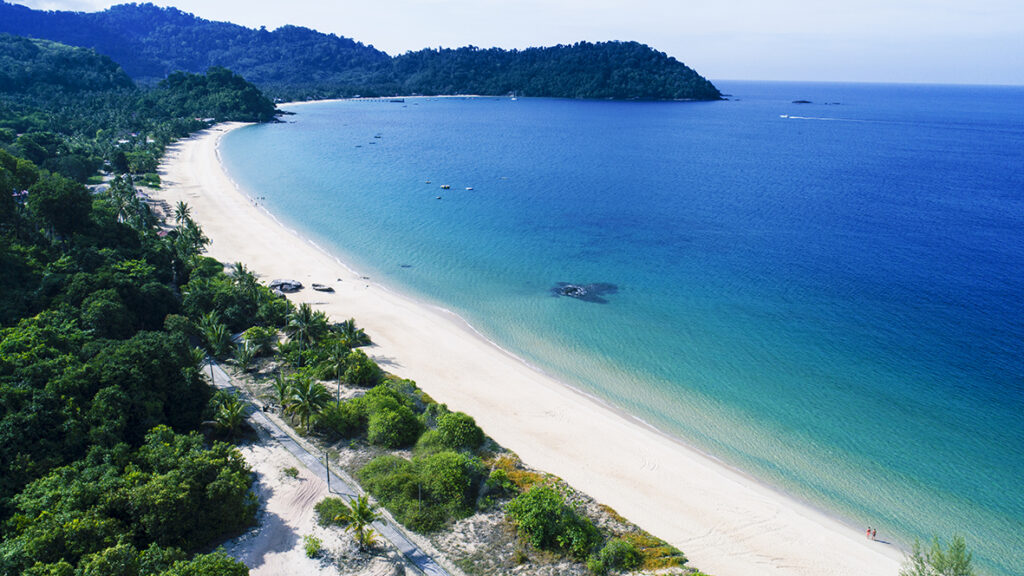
[151, 42]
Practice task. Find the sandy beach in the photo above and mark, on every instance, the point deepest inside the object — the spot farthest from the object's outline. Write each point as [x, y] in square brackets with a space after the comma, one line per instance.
[727, 523]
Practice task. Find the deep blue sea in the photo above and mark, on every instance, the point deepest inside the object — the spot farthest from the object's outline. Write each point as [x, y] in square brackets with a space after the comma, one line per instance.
[828, 296]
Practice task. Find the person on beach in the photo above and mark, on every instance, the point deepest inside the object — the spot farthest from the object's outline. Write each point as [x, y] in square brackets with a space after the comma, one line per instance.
[874, 534]
[868, 534]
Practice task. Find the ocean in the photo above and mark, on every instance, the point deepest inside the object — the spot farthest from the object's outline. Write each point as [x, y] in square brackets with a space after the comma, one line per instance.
[828, 296]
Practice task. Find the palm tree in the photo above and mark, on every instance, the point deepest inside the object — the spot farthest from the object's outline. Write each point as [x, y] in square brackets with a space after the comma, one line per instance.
[351, 335]
[218, 339]
[282, 390]
[243, 279]
[230, 414]
[337, 361]
[358, 514]
[245, 353]
[182, 212]
[307, 399]
[305, 324]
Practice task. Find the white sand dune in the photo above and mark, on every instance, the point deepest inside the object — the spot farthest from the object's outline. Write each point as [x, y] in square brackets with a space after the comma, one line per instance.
[725, 522]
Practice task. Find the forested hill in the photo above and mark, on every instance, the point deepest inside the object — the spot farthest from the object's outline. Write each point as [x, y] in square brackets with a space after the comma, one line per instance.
[616, 70]
[150, 42]
[28, 65]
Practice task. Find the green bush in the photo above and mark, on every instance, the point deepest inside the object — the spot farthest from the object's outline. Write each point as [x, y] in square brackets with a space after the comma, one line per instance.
[393, 428]
[620, 555]
[312, 545]
[426, 493]
[451, 479]
[459, 431]
[362, 370]
[327, 511]
[428, 444]
[262, 339]
[544, 519]
[342, 419]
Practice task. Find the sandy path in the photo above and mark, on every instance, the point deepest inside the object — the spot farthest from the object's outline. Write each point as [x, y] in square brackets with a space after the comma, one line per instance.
[726, 523]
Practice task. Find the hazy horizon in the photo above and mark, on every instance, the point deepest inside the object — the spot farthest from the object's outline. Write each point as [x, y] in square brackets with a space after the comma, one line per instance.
[905, 41]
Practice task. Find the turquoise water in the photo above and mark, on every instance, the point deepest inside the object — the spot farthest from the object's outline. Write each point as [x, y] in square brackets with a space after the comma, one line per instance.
[832, 301]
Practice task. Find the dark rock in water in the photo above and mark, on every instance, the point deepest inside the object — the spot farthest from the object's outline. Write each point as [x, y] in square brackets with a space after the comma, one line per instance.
[405, 265]
[286, 285]
[801, 101]
[586, 292]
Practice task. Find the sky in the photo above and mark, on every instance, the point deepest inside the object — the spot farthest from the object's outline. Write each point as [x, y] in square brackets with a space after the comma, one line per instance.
[931, 41]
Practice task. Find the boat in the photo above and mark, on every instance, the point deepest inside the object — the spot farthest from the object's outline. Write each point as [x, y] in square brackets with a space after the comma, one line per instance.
[469, 187]
[445, 187]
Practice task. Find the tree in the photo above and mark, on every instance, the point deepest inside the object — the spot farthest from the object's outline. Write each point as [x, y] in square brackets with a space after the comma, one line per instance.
[352, 336]
[954, 560]
[358, 515]
[229, 413]
[306, 325]
[307, 399]
[62, 204]
[337, 362]
[245, 353]
[282, 390]
[182, 212]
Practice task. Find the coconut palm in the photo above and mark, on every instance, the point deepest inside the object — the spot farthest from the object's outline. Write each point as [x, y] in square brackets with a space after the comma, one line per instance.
[282, 390]
[306, 325]
[243, 279]
[307, 399]
[182, 212]
[358, 514]
[230, 414]
[218, 339]
[336, 362]
[350, 335]
[245, 353]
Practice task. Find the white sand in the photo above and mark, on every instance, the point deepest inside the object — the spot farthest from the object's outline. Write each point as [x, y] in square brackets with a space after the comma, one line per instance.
[725, 522]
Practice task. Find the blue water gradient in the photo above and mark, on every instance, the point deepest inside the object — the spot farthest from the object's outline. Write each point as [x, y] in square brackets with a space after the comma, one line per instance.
[829, 296]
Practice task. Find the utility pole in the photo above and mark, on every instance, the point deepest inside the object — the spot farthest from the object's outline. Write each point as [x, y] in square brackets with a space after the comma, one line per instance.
[327, 465]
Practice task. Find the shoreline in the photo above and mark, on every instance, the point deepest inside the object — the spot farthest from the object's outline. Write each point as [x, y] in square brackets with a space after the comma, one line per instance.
[725, 521]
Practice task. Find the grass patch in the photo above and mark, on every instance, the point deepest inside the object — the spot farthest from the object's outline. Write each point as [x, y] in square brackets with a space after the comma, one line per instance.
[523, 479]
[655, 552]
[291, 472]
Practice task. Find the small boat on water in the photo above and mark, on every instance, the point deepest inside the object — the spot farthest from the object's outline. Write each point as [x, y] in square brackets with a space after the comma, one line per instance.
[469, 187]
[446, 187]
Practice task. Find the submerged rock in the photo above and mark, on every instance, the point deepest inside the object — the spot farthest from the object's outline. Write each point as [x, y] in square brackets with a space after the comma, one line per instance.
[586, 292]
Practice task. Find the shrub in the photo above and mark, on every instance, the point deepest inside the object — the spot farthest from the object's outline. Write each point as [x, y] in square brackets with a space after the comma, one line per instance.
[544, 519]
[427, 493]
[499, 482]
[620, 555]
[291, 472]
[262, 339]
[312, 545]
[451, 479]
[362, 370]
[328, 510]
[393, 428]
[342, 419]
[953, 560]
[428, 444]
[459, 431]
